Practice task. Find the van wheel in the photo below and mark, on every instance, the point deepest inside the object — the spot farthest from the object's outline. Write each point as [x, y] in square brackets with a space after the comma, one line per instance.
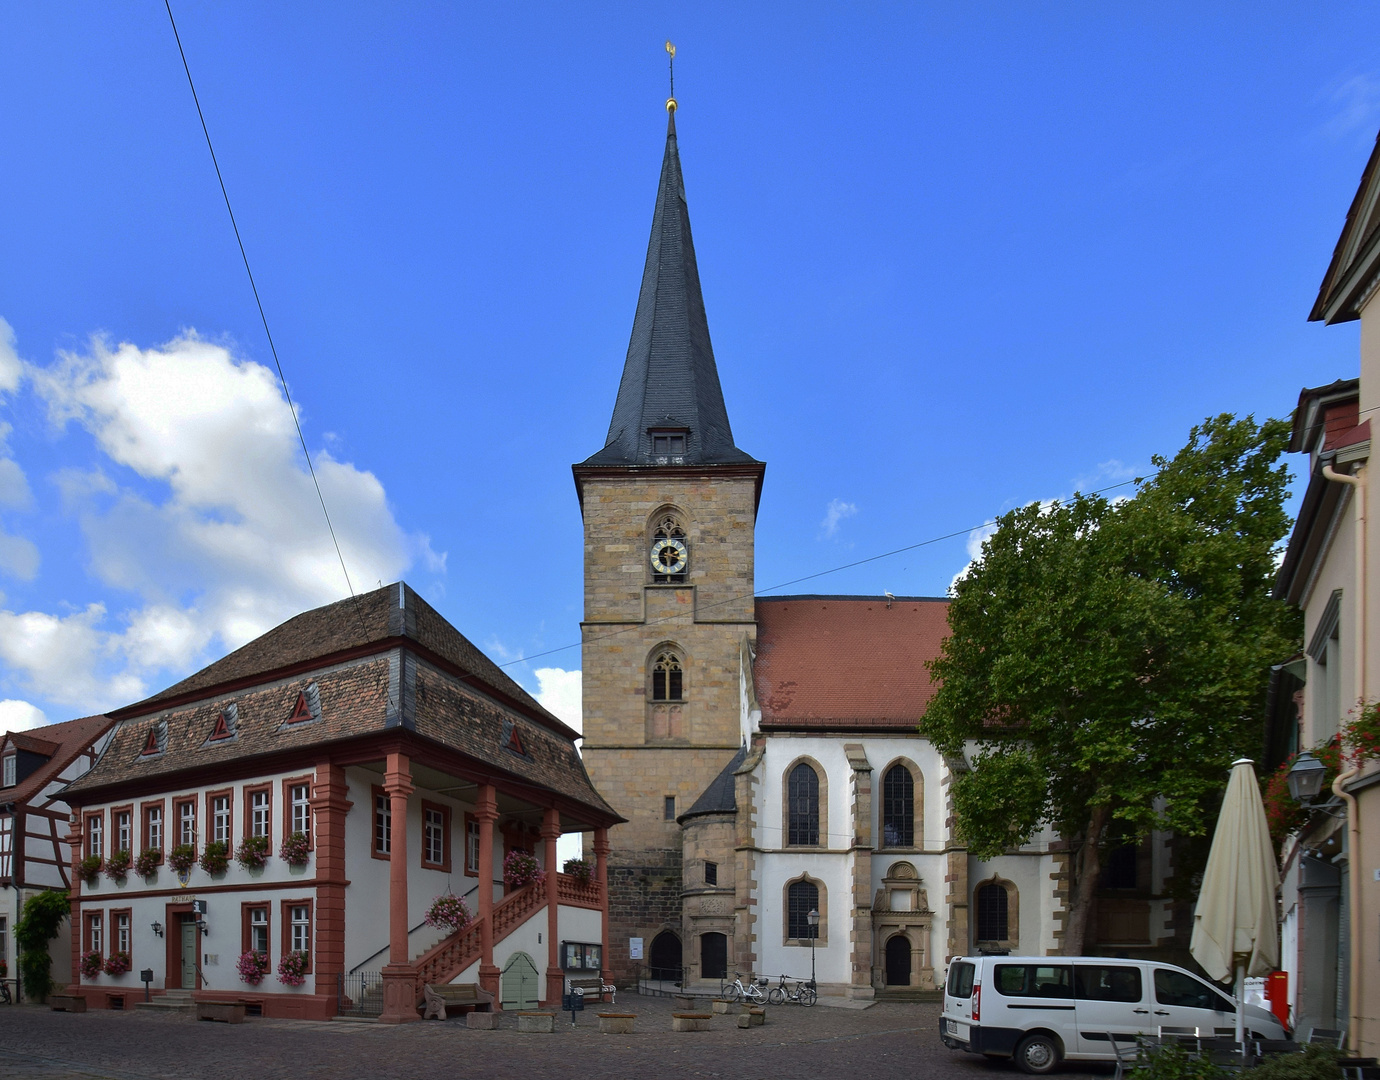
[1037, 1055]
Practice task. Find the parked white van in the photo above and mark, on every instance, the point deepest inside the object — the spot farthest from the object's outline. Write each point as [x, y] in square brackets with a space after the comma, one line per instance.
[1041, 1009]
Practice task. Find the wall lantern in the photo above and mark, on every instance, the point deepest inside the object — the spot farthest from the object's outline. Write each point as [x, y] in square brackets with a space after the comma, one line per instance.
[1306, 778]
[157, 928]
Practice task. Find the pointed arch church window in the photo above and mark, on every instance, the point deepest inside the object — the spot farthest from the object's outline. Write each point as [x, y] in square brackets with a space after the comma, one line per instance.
[803, 800]
[898, 807]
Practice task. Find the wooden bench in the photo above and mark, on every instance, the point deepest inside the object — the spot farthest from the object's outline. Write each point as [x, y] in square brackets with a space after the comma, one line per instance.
[227, 1012]
[463, 996]
[67, 1002]
[595, 988]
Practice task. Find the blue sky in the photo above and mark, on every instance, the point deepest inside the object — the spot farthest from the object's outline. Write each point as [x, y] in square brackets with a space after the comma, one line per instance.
[955, 258]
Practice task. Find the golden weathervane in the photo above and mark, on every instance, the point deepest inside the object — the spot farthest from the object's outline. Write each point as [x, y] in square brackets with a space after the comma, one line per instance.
[671, 65]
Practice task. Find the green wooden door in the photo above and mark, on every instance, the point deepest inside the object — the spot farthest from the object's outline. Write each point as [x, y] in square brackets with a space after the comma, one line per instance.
[518, 987]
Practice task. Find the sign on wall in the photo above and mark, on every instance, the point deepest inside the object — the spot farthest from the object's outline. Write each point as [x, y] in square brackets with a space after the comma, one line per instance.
[634, 948]
[581, 956]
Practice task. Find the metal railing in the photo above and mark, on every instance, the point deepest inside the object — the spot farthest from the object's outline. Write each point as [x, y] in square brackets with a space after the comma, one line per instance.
[660, 982]
[359, 993]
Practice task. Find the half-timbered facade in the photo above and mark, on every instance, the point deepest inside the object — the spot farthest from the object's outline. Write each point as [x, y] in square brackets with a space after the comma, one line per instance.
[381, 761]
[34, 768]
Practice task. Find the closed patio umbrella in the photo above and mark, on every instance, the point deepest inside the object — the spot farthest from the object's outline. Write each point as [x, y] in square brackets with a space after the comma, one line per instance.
[1235, 926]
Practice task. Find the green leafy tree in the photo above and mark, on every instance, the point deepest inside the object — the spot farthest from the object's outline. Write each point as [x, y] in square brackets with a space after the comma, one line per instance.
[39, 922]
[1108, 660]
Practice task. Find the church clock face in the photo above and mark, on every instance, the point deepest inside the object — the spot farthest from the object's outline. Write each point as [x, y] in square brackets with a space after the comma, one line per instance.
[669, 556]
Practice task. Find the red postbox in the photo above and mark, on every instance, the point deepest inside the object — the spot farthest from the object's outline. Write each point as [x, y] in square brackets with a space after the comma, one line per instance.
[1277, 994]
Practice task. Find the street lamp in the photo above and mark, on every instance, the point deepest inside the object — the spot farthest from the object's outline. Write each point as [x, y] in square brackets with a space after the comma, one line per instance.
[814, 933]
[1306, 778]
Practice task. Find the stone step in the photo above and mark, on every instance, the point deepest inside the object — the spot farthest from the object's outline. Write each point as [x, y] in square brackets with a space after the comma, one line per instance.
[895, 993]
[179, 1001]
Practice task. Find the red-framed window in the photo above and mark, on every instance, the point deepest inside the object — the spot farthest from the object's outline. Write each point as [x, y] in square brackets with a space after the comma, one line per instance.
[152, 825]
[297, 815]
[184, 814]
[93, 931]
[295, 928]
[258, 810]
[220, 817]
[122, 829]
[435, 836]
[471, 846]
[122, 931]
[95, 834]
[255, 930]
[381, 840]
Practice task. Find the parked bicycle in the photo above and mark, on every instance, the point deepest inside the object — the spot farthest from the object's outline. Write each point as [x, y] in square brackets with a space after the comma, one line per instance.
[5, 991]
[803, 994]
[753, 991]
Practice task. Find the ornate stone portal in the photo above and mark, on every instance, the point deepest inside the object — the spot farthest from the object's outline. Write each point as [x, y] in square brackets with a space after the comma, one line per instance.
[901, 910]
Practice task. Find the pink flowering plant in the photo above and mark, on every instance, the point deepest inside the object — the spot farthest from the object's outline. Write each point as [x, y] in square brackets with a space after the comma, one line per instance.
[1362, 735]
[295, 850]
[182, 858]
[89, 869]
[448, 911]
[117, 866]
[292, 968]
[253, 852]
[91, 963]
[117, 963]
[521, 868]
[216, 858]
[580, 870]
[252, 966]
[147, 862]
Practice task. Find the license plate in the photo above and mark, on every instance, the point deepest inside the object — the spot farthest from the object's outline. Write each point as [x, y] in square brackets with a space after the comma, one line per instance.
[951, 1027]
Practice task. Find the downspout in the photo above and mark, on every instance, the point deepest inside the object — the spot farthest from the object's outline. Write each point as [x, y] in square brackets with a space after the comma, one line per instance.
[1353, 824]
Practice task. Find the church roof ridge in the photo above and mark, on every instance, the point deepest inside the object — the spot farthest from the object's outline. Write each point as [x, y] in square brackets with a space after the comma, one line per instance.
[670, 380]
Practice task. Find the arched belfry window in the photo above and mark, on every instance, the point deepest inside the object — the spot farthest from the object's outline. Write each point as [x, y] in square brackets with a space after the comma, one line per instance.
[898, 807]
[665, 719]
[670, 557]
[802, 798]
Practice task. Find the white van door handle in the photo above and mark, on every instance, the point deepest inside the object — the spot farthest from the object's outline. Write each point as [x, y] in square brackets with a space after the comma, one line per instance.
[1142, 1011]
[1161, 1012]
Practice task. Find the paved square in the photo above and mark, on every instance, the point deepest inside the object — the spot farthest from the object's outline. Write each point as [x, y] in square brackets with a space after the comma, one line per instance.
[888, 1039]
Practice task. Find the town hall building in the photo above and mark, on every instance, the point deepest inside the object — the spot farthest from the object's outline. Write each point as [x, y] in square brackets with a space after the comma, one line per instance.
[764, 750]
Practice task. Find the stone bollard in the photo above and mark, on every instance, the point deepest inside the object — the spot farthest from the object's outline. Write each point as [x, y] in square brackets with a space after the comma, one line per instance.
[756, 1016]
[481, 1021]
[744, 1020]
[616, 1023]
[690, 1021]
[722, 1006]
[685, 1002]
[537, 1022]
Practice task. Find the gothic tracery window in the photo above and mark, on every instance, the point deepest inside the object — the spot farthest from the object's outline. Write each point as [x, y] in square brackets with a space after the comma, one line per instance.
[803, 806]
[898, 807]
[667, 692]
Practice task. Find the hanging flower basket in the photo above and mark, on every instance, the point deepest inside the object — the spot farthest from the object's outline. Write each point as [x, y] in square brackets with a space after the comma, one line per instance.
[117, 963]
[295, 850]
[1283, 814]
[1362, 735]
[253, 852]
[252, 966]
[521, 868]
[216, 858]
[91, 964]
[117, 866]
[580, 870]
[182, 858]
[147, 862]
[448, 911]
[89, 869]
[292, 968]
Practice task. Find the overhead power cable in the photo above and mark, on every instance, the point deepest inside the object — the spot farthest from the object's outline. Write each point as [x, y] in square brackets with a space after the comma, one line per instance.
[793, 581]
[259, 302]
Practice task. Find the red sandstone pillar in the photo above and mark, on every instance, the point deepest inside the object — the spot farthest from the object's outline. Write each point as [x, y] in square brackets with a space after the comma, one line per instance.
[330, 806]
[399, 977]
[486, 813]
[555, 981]
[601, 874]
[76, 840]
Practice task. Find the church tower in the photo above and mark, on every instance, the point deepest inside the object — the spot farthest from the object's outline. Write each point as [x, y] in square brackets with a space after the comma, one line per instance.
[669, 507]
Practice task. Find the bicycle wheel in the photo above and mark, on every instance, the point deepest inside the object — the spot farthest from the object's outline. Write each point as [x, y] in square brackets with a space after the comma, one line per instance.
[776, 996]
[734, 993]
[808, 996]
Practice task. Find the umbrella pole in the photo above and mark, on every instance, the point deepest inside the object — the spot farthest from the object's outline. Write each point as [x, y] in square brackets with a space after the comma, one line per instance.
[1241, 1006]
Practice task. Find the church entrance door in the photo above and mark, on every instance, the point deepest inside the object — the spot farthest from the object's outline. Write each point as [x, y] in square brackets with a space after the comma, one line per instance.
[713, 956]
[898, 961]
[665, 959]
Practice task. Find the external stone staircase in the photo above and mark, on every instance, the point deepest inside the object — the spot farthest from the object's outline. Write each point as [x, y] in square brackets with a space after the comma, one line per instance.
[452, 955]
[170, 1001]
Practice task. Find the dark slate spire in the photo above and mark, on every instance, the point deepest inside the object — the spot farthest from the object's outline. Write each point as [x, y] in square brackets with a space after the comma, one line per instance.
[669, 378]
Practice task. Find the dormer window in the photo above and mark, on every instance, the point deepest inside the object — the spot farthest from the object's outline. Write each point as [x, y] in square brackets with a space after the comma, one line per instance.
[668, 444]
[9, 779]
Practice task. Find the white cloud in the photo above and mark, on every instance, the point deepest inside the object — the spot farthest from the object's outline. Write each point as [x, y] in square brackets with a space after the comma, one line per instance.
[11, 368]
[220, 538]
[18, 556]
[834, 513]
[20, 716]
[559, 691]
[1354, 102]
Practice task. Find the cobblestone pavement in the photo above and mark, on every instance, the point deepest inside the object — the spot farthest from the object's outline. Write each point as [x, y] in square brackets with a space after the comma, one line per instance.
[888, 1039]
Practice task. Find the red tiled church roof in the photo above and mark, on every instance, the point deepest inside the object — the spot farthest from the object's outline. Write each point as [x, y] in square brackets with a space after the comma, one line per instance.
[839, 663]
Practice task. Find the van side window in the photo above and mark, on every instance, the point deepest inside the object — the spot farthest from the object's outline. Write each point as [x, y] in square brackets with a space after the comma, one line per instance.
[1031, 980]
[1180, 988]
[1111, 983]
[961, 981]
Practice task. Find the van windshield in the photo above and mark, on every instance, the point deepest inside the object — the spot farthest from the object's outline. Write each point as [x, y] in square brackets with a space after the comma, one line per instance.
[1034, 980]
[961, 980]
